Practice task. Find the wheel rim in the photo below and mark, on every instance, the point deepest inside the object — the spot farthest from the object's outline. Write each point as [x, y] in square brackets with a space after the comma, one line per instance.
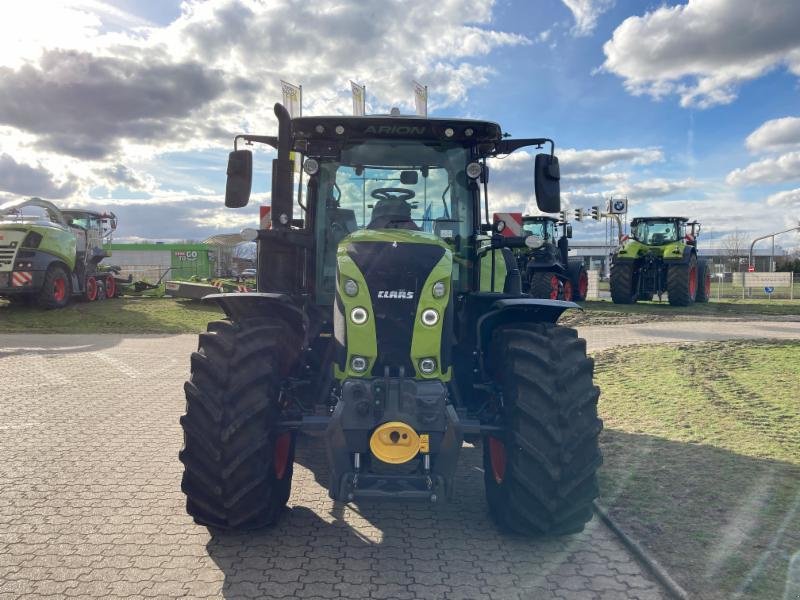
[91, 289]
[111, 287]
[692, 281]
[59, 289]
[281, 454]
[567, 291]
[583, 284]
[497, 457]
[553, 287]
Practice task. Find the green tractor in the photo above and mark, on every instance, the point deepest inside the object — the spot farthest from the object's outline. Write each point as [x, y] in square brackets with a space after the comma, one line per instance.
[389, 318]
[660, 256]
[547, 271]
[48, 256]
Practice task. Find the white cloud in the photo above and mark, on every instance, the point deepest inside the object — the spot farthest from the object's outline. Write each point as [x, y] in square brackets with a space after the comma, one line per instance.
[776, 134]
[28, 180]
[586, 13]
[780, 169]
[580, 161]
[703, 50]
[655, 188]
[789, 199]
[91, 95]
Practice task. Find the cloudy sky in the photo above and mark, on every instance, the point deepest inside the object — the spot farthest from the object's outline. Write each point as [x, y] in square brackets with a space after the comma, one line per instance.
[131, 105]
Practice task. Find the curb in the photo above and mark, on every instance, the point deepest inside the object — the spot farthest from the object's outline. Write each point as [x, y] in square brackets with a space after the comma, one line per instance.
[650, 563]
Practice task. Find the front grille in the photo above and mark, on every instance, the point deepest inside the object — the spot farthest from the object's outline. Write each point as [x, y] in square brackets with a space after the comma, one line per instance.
[7, 252]
[394, 271]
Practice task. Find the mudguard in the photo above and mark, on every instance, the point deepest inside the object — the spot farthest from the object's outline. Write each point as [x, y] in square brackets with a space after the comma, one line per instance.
[510, 310]
[241, 305]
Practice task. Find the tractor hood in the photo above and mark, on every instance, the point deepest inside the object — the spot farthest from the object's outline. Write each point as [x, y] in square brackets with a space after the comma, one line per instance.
[633, 249]
[387, 311]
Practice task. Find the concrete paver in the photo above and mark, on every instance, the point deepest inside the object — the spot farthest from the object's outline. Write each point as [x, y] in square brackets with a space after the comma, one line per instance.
[90, 501]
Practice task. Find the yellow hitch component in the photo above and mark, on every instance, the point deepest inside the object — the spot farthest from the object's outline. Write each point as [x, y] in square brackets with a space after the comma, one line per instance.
[394, 443]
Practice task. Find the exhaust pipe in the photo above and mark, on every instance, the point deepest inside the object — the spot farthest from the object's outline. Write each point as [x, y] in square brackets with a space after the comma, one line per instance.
[283, 172]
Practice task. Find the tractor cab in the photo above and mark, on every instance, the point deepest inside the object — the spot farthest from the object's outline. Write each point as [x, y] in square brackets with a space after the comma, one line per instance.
[541, 226]
[658, 231]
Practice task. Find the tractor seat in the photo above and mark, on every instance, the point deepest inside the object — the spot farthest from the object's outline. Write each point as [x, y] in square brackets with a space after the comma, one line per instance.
[658, 238]
[392, 213]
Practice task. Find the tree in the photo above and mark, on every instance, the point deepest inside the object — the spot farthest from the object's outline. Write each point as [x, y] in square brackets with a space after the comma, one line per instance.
[736, 246]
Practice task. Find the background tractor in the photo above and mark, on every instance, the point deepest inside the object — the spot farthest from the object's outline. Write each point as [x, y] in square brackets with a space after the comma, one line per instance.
[660, 256]
[49, 255]
[389, 316]
[546, 269]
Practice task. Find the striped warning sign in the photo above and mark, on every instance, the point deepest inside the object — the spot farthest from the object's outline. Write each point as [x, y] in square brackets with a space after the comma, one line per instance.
[21, 278]
[513, 223]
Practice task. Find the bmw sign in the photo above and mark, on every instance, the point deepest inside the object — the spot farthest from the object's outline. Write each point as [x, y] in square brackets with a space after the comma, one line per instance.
[618, 207]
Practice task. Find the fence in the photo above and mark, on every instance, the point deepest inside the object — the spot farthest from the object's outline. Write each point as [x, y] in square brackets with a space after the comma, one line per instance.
[153, 273]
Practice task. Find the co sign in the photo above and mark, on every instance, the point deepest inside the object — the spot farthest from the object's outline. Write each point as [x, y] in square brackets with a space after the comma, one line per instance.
[186, 255]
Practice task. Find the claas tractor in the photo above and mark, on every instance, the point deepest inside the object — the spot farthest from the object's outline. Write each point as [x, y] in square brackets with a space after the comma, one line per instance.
[49, 256]
[545, 267]
[660, 256]
[389, 318]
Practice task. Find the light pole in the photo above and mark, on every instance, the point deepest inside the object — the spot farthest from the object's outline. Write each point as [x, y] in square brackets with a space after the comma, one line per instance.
[763, 237]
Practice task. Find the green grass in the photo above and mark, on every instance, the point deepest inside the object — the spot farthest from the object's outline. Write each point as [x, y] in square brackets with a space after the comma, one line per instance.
[702, 460]
[605, 312]
[120, 315]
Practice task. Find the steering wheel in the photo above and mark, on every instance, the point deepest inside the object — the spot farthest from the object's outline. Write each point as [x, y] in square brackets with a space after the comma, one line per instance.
[393, 194]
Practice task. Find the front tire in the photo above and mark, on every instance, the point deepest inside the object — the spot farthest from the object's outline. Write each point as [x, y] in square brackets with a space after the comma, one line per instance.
[56, 288]
[237, 464]
[541, 476]
[544, 284]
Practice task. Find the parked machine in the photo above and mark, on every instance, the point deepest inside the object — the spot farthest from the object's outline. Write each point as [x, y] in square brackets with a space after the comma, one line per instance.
[390, 316]
[49, 255]
[547, 271]
[660, 256]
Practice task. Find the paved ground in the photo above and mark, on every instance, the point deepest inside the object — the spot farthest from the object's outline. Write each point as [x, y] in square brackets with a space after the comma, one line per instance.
[90, 504]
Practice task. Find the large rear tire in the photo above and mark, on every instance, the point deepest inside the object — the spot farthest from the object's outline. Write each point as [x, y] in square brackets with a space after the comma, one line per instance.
[703, 281]
[623, 283]
[544, 284]
[540, 476]
[682, 283]
[237, 464]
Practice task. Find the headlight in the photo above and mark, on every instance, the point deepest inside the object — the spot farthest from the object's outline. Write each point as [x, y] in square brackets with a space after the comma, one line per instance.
[430, 317]
[474, 170]
[427, 365]
[359, 315]
[358, 364]
[350, 287]
[439, 289]
[311, 166]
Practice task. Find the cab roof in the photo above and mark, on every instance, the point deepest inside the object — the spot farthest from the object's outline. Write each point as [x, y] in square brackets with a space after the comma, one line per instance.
[344, 128]
[641, 219]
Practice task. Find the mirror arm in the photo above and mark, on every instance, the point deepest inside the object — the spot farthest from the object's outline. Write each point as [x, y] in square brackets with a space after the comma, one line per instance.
[508, 146]
[270, 140]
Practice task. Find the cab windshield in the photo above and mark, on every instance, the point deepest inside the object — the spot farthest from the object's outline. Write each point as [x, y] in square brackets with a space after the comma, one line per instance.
[544, 229]
[655, 233]
[392, 184]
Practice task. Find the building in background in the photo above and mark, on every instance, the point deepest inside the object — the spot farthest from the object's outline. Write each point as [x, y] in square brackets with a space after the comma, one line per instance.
[149, 261]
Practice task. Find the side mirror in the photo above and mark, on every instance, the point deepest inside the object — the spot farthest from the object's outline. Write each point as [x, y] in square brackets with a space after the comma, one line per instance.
[569, 231]
[409, 177]
[240, 178]
[547, 183]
